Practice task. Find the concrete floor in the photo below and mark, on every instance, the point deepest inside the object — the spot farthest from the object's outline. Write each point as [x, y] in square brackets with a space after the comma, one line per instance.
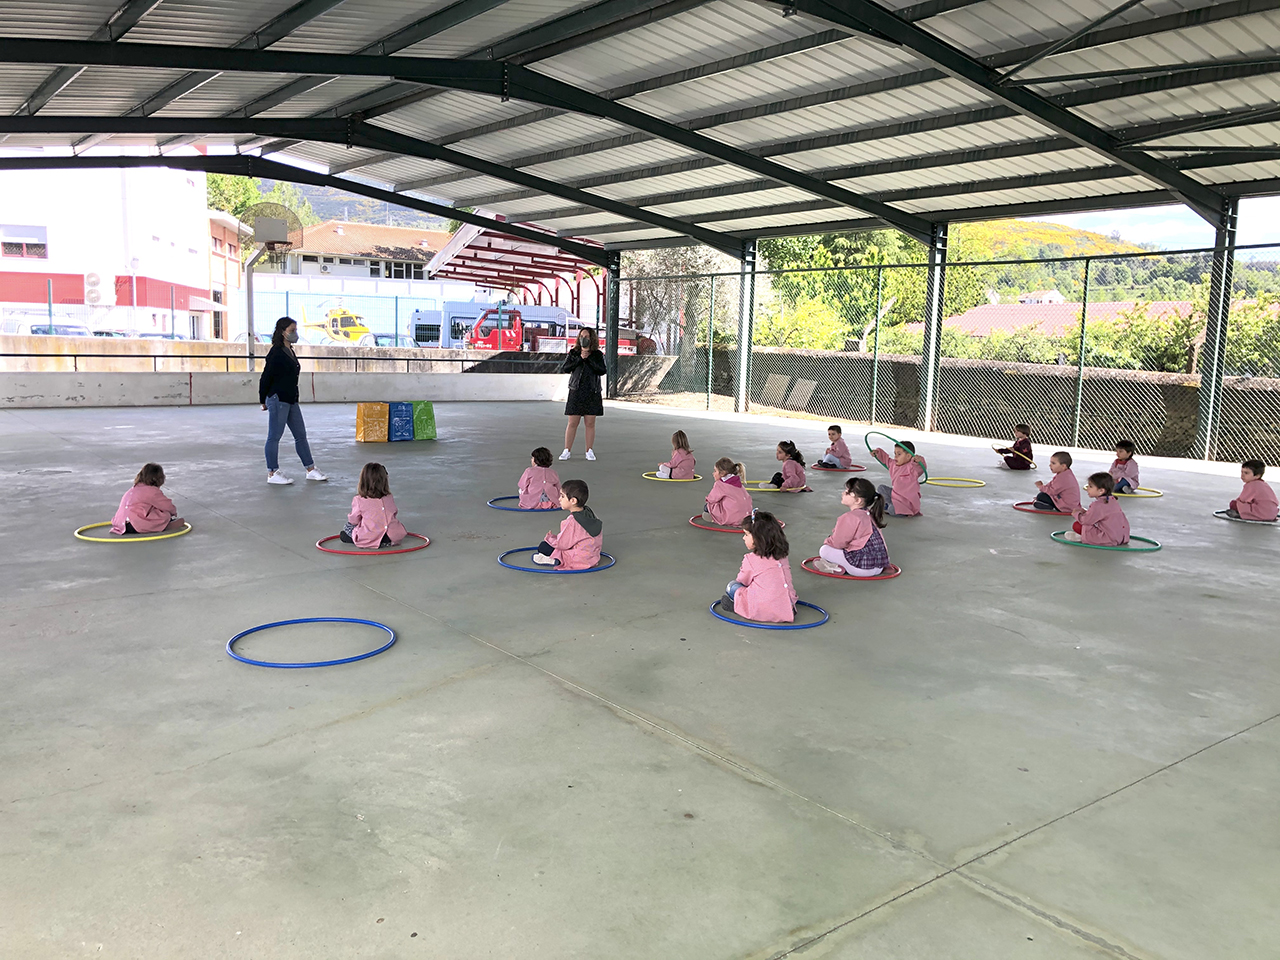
[1015, 750]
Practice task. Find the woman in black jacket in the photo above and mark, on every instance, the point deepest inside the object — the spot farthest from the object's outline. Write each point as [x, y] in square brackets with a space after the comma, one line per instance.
[585, 366]
[278, 394]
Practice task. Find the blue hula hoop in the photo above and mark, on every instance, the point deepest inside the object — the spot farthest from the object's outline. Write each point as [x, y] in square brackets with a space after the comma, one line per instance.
[494, 503]
[773, 626]
[314, 663]
[537, 569]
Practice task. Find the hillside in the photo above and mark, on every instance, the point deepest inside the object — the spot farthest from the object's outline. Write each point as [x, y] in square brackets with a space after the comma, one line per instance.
[331, 204]
[1028, 239]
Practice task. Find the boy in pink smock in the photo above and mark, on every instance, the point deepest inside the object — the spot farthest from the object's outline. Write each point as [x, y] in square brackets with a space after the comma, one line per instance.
[837, 455]
[1257, 501]
[539, 485]
[143, 508]
[1104, 523]
[763, 589]
[902, 492]
[728, 503]
[1062, 492]
[1018, 457]
[581, 538]
[373, 520]
[681, 464]
[1124, 471]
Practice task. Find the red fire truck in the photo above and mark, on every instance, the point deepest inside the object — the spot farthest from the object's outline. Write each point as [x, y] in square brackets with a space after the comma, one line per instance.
[504, 328]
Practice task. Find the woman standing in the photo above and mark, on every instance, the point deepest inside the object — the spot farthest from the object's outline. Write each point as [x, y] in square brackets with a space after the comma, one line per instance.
[278, 394]
[585, 366]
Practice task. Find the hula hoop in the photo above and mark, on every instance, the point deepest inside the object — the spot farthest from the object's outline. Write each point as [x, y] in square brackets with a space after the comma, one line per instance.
[871, 450]
[653, 475]
[539, 569]
[888, 573]
[756, 624]
[1151, 493]
[1060, 537]
[755, 487]
[855, 468]
[312, 663]
[964, 483]
[1015, 452]
[1027, 506]
[128, 537]
[494, 503]
[693, 521]
[376, 551]
[1224, 516]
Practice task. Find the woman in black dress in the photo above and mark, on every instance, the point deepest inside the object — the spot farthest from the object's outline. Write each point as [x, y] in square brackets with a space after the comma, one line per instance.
[585, 366]
[278, 394]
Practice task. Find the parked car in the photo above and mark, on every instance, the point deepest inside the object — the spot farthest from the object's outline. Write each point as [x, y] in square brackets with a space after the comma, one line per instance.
[24, 328]
[113, 333]
[163, 336]
[393, 340]
[257, 338]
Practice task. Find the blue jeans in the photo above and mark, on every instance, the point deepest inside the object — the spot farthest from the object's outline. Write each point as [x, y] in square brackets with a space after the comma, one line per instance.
[279, 415]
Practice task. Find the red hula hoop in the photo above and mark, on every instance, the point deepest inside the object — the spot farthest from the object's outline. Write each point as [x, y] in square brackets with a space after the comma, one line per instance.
[856, 468]
[1026, 506]
[426, 542]
[693, 522]
[889, 572]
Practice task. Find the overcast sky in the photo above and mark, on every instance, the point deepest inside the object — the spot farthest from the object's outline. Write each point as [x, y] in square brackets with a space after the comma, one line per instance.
[1174, 228]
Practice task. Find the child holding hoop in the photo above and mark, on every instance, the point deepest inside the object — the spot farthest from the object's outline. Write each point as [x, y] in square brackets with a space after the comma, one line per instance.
[1018, 457]
[539, 485]
[1062, 492]
[143, 508]
[856, 547]
[763, 590]
[902, 493]
[1104, 523]
[581, 538]
[372, 522]
[1257, 501]
[791, 476]
[681, 464]
[1124, 471]
[837, 455]
[728, 503]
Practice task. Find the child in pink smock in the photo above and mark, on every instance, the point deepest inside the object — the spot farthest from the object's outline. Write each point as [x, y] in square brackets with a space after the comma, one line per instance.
[1062, 492]
[791, 476]
[763, 590]
[372, 522]
[837, 456]
[1257, 501]
[1104, 523]
[856, 547]
[1124, 471]
[681, 464]
[581, 538]
[728, 503]
[902, 492]
[143, 508]
[539, 485]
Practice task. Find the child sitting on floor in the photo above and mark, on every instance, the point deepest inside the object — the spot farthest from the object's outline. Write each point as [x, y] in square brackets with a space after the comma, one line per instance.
[837, 456]
[856, 547]
[372, 522]
[1124, 471]
[728, 503]
[763, 590]
[1062, 492]
[1018, 457]
[681, 464]
[1104, 523]
[902, 492]
[1257, 501]
[143, 508]
[791, 476]
[581, 538]
[539, 485]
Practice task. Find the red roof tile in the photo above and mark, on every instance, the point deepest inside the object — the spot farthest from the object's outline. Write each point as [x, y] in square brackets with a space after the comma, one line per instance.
[338, 238]
[1053, 319]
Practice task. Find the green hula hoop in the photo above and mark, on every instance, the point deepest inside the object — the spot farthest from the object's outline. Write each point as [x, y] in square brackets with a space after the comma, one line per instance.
[871, 450]
[1061, 537]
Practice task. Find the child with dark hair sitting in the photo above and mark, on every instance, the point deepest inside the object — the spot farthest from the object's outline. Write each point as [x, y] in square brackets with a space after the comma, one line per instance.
[1257, 501]
[763, 590]
[1104, 523]
[1018, 457]
[581, 538]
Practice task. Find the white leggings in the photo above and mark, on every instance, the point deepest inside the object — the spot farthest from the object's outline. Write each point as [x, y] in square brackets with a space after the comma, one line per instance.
[834, 555]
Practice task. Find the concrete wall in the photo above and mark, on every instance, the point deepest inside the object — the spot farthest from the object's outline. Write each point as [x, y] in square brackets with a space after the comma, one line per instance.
[108, 389]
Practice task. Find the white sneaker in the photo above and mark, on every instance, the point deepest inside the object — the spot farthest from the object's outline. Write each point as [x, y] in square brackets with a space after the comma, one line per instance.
[314, 474]
[544, 560]
[566, 455]
[278, 477]
[826, 566]
[591, 454]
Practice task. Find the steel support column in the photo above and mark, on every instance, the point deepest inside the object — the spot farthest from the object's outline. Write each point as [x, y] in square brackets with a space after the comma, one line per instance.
[1214, 354]
[746, 318]
[935, 292]
[612, 289]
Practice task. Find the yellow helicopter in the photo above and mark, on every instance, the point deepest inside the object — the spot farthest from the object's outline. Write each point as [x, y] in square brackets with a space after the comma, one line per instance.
[342, 325]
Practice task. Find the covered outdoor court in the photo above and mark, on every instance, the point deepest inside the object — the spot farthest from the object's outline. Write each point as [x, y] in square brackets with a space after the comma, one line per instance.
[1015, 749]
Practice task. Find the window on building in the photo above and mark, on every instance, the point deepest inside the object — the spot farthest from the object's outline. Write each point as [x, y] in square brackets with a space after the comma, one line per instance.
[217, 245]
[24, 241]
[32, 251]
[307, 258]
[328, 259]
[346, 260]
[358, 263]
[233, 250]
[217, 325]
[375, 270]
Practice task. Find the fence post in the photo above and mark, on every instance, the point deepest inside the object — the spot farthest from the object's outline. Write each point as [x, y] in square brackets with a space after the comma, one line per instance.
[711, 336]
[934, 297]
[612, 287]
[48, 289]
[173, 314]
[1214, 354]
[875, 353]
[746, 316]
[1084, 319]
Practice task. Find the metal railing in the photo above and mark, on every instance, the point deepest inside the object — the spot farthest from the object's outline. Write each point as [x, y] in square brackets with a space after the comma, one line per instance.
[104, 362]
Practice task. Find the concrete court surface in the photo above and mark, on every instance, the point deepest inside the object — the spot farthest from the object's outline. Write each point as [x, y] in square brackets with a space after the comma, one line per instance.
[1015, 750]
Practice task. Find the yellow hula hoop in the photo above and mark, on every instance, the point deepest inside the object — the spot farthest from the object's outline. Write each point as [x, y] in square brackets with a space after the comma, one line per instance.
[1150, 494]
[754, 486]
[1016, 453]
[79, 534]
[653, 475]
[965, 483]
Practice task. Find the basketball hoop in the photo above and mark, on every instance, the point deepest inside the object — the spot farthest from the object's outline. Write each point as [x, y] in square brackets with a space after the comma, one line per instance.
[277, 251]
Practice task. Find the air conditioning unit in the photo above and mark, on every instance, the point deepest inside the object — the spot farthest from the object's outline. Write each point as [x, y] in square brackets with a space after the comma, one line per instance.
[325, 268]
[100, 289]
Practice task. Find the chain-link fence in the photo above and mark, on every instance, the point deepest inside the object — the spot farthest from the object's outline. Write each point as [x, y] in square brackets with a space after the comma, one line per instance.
[1087, 350]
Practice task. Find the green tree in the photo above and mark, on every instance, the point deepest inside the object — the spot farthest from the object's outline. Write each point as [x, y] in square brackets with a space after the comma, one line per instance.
[233, 195]
[810, 324]
[286, 194]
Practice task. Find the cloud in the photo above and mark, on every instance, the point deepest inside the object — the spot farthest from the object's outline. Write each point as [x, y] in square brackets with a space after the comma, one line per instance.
[1176, 227]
